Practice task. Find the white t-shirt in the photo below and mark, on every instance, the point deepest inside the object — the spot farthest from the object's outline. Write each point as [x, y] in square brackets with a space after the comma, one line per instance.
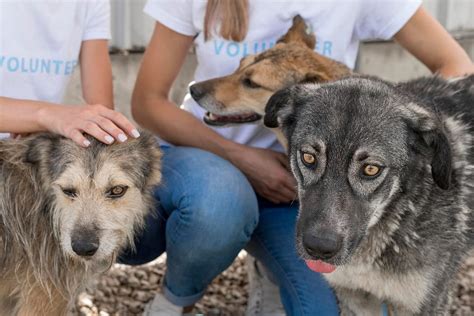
[40, 43]
[339, 25]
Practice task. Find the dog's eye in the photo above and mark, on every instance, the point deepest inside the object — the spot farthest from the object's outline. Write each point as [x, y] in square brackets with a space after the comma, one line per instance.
[308, 159]
[250, 84]
[117, 191]
[70, 192]
[371, 170]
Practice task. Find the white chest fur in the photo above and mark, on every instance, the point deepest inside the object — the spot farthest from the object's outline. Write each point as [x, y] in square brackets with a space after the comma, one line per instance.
[407, 290]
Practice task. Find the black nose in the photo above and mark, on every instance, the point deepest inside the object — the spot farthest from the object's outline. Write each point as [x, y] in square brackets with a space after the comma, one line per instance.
[325, 245]
[85, 246]
[197, 92]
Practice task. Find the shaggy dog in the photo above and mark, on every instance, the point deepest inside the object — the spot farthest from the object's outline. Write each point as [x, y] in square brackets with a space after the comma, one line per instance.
[241, 97]
[65, 213]
[385, 178]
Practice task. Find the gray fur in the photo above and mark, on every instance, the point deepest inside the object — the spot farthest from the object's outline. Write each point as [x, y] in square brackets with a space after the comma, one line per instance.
[406, 231]
[39, 272]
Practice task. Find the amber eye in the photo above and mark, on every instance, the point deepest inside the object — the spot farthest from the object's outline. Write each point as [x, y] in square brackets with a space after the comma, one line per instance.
[117, 191]
[371, 170]
[308, 159]
[70, 192]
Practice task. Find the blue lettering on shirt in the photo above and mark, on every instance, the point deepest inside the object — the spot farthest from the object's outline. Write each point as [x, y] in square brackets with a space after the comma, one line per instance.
[13, 64]
[33, 65]
[242, 49]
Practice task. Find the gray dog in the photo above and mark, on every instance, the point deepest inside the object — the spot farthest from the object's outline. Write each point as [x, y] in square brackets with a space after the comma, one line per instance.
[386, 178]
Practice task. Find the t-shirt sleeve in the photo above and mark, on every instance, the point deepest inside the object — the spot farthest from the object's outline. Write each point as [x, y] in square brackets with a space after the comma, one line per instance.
[174, 14]
[97, 20]
[382, 19]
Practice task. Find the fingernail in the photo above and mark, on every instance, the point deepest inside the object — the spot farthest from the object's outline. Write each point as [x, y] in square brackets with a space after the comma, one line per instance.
[135, 133]
[122, 137]
[109, 139]
[86, 143]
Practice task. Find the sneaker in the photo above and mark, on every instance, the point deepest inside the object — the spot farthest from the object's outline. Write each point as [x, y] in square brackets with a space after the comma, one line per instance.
[160, 306]
[264, 295]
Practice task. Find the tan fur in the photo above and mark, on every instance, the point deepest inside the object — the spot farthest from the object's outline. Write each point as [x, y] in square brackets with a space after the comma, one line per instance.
[40, 273]
[292, 60]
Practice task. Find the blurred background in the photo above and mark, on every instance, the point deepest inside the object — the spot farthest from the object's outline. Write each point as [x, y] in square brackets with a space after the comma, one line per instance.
[131, 30]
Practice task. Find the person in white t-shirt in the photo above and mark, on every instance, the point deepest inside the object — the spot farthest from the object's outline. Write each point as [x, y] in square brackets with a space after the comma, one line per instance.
[220, 182]
[41, 43]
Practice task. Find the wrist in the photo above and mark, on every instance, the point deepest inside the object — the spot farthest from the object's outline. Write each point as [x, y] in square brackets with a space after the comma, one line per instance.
[43, 116]
[232, 150]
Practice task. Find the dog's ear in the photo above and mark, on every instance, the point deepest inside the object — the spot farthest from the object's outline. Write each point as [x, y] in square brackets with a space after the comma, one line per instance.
[316, 77]
[153, 153]
[299, 32]
[280, 107]
[430, 128]
[38, 148]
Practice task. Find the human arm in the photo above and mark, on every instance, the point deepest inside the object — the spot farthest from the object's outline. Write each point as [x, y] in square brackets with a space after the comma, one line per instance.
[152, 109]
[96, 118]
[96, 73]
[25, 116]
[427, 40]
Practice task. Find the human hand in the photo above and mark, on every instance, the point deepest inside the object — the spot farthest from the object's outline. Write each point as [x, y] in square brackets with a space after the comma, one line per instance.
[102, 123]
[267, 171]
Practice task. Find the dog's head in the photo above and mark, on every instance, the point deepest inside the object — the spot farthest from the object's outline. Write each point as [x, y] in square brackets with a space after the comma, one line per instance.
[354, 145]
[241, 97]
[99, 195]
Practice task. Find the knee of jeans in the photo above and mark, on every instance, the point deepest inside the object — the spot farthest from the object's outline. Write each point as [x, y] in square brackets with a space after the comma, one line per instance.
[226, 209]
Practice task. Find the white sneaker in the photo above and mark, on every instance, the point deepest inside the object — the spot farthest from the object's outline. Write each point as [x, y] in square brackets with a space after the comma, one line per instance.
[160, 306]
[264, 295]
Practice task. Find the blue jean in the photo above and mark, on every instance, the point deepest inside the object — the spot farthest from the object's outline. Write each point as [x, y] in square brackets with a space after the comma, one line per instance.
[207, 213]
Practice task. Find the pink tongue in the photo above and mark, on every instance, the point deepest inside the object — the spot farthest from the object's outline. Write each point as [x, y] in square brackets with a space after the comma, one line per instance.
[319, 266]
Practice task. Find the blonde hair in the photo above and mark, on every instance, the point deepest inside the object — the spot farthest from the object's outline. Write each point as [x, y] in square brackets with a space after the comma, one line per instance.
[232, 16]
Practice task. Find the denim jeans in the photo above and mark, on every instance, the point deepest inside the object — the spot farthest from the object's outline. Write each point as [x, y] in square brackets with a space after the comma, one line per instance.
[207, 213]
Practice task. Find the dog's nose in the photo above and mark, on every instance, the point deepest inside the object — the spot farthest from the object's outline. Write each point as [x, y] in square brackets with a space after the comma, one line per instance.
[86, 246]
[323, 246]
[197, 92]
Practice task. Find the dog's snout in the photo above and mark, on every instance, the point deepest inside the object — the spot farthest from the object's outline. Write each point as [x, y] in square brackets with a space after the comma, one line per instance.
[324, 245]
[86, 245]
[197, 91]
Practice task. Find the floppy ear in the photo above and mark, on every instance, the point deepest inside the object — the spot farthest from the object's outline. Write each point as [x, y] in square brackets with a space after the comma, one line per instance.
[316, 77]
[428, 126]
[280, 107]
[38, 148]
[153, 153]
[299, 33]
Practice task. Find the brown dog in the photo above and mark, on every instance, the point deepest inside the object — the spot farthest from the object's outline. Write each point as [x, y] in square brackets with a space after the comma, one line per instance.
[241, 97]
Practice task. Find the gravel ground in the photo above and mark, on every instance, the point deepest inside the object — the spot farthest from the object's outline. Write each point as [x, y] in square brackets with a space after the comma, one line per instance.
[125, 290]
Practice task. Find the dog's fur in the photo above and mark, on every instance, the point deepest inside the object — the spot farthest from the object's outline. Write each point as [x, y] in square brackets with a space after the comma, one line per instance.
[55, 196]
[241, 97]
[404, 233]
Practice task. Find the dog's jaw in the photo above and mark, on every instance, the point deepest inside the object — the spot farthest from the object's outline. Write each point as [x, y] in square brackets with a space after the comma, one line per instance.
[229, 119]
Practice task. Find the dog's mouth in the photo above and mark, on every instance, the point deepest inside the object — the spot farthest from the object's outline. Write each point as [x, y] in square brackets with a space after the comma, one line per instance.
[221, 120]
